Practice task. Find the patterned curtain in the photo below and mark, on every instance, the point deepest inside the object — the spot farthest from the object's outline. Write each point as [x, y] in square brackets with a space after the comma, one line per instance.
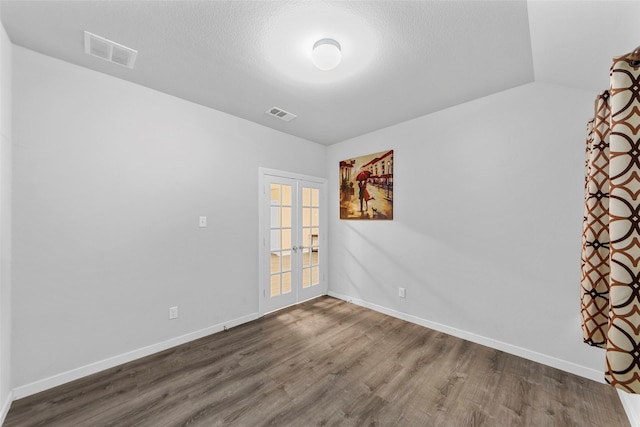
[595, 229]
[610, 303]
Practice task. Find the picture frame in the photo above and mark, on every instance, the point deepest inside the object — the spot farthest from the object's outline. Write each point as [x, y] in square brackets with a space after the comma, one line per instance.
[366, 187]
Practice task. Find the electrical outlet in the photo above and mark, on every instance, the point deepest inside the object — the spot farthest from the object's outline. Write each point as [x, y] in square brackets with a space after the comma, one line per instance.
[402, 293]
[173, 313]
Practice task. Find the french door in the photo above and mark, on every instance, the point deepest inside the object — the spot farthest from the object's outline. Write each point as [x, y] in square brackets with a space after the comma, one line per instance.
[292, 240]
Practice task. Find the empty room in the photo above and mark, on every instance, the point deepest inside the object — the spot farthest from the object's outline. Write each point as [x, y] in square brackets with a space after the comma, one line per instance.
[301, 213]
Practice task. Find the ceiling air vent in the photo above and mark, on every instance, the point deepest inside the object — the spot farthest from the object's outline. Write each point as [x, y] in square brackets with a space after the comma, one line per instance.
[110, 51]
[281, 114]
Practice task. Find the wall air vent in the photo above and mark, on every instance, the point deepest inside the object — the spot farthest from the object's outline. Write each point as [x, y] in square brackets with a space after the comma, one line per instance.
[110, 51]
[281, 114]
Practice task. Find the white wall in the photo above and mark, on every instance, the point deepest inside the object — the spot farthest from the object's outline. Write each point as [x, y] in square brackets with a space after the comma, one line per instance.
[109, 181]
[487, 224]
[5, 221]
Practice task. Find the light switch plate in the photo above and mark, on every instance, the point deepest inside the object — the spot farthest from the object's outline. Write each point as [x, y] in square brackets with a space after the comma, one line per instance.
[202, 221]
[173, 313]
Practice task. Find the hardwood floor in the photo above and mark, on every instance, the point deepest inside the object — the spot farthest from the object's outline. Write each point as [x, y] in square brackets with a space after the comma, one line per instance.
[326, 362]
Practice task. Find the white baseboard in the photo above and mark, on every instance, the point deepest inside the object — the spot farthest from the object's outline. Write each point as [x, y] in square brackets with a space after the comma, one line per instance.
[83, 371]
[631, 404]
[544, 359]
[5, 407]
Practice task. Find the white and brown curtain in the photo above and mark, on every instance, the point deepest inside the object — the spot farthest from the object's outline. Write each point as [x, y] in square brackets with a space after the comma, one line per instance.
[610, 302]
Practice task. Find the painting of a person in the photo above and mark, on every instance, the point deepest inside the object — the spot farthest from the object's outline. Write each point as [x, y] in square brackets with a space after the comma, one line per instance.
[362, 185]
[364, 195]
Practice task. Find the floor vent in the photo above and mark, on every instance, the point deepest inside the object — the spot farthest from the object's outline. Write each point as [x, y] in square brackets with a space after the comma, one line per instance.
[281, 114]
[109, 51]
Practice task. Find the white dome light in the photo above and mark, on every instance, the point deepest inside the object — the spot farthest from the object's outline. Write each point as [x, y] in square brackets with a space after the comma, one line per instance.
[326, 54]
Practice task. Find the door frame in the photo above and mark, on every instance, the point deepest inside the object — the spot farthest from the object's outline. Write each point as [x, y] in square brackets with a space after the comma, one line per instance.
[263, 198]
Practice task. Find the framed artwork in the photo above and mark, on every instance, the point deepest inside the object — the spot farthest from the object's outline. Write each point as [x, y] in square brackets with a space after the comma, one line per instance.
[366, 187]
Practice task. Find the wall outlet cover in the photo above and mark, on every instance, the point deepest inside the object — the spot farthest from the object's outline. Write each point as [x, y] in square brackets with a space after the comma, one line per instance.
[173, 313]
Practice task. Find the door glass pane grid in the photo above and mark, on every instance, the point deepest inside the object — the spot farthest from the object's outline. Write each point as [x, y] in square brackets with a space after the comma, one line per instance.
[280, 239]
[310, 269]
[310, 237]
[310, 276]
[295, 222]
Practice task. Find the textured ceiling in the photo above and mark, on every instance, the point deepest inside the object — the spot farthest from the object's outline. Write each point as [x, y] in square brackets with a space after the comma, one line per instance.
[401, 60]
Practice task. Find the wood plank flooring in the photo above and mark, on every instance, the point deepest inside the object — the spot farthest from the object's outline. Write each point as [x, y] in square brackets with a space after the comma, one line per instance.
[326, 363]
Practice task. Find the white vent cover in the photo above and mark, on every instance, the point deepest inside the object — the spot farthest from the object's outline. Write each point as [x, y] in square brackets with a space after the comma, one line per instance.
[110, 51]
[281, 114]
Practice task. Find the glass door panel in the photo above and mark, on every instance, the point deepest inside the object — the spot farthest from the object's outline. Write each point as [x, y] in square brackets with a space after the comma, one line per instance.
[310, 238]
[280, 290]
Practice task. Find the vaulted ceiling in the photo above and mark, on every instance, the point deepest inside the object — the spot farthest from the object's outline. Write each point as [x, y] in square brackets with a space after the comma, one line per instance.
[401, 60]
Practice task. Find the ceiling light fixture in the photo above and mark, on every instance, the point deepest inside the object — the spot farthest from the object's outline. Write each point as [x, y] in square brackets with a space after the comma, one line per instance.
[326, 54]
